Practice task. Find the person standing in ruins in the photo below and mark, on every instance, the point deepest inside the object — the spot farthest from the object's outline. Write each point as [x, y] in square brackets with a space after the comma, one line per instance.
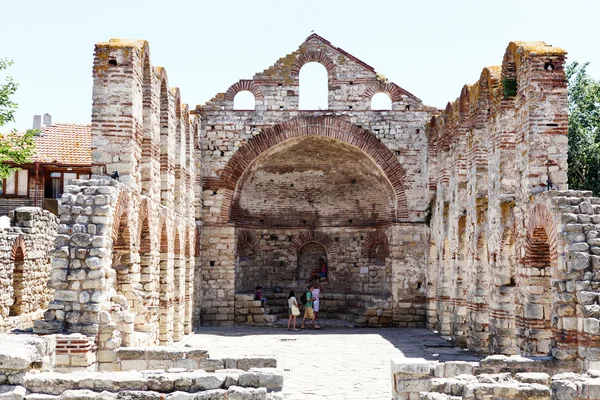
[294, 311]
[308, 308]
[316, 292]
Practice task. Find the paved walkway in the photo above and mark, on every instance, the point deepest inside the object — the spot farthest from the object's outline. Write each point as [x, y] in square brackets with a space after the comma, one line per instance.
[330, 363]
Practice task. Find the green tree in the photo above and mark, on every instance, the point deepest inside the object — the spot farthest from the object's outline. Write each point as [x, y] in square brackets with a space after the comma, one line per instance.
[15, 148]
[584, 129]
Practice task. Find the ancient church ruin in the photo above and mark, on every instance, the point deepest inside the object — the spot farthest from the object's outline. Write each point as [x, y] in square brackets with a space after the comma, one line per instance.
[458, 220]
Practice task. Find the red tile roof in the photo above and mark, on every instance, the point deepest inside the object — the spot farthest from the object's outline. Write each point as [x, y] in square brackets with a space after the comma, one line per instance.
[64, 144]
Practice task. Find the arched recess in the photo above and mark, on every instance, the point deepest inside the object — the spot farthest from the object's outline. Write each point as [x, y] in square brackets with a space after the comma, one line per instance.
[244, 85]
[148, 139]
[167, 140]
[179, 270]
[323, 126]
[375, 247]
[309, 259]
[461, 283]
[189, 251]
[148, 271]
[310, 247]
[247, 251]
[166, 289]
[18, 254]
[503, 329]
[180, 155]
[534, 323]
[125, 273]
[478, 338]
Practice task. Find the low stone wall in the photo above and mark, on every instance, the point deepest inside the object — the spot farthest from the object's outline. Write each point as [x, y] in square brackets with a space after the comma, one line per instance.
[25, 267]
[30, 370]
[140, 359]
[256, 384]
[495, 377]
[360, 309]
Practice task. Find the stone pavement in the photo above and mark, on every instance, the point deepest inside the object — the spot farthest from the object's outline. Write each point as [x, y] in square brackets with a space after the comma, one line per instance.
[330, 363]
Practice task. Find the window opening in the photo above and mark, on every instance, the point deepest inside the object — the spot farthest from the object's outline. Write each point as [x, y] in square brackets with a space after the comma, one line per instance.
[381, 101]
[244, 100]
[16, 184]
[314, 87]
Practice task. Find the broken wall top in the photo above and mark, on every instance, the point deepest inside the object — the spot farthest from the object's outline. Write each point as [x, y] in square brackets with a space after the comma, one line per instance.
[351, 82]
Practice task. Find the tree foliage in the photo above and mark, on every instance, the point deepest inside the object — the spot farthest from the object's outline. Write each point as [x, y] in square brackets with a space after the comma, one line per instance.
[584, 129]
[15, 148]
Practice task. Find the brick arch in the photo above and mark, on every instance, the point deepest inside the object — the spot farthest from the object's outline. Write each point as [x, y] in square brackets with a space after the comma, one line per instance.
[18, 252]
[390, 89]
[541, 254]
[316, 126]
[249, 237]
[313, 56]
[373, 239]
[241, 85]
[541, 227]
[314, 237]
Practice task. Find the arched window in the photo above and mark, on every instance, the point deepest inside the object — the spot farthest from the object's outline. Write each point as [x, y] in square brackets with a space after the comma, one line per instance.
[314, 87]
[244, 100]
[381, 101]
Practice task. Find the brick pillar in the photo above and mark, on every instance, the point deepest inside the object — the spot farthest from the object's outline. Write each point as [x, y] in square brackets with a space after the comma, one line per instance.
[117, 117]
[542, 114]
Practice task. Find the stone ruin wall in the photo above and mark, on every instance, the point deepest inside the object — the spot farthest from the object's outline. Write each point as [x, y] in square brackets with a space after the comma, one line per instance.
[25, 263]
[512, 265]
[251, 237]
[123, 267]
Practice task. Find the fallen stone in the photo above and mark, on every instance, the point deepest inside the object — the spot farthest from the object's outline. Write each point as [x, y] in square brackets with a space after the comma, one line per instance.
[11, 392]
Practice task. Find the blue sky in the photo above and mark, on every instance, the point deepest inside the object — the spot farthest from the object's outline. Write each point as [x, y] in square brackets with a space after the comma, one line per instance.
[430, 48]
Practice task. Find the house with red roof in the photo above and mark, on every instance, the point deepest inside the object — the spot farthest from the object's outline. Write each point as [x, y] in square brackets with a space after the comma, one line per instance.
[63, 153]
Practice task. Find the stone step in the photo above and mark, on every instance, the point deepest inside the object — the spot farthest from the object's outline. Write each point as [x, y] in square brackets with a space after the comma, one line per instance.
[326, 323]
[233, 392]
[54, 383]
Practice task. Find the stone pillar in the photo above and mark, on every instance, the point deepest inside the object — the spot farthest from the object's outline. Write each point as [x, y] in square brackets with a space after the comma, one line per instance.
[82, 263]
[217, 270]
[408, 251]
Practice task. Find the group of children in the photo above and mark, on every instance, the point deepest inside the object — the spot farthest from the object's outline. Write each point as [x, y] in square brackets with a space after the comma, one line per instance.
[311, 306]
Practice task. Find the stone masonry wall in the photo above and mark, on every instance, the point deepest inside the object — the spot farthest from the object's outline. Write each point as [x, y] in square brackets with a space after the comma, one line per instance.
[123, 261]
[511, 268]
[277, 171]
[25, 247]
